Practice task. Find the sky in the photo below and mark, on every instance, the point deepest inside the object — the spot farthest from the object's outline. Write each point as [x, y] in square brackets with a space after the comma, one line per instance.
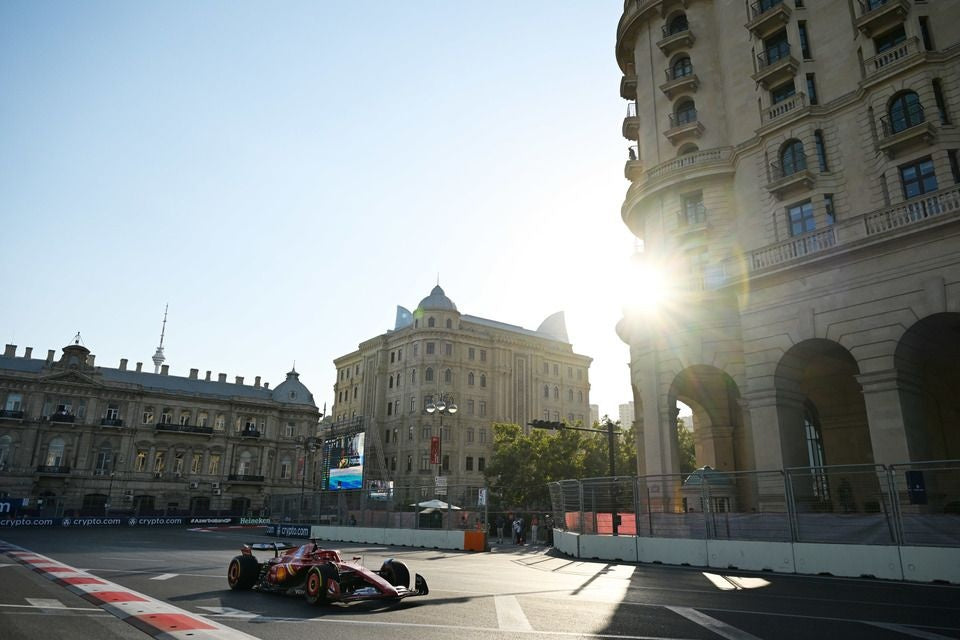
[283, 175]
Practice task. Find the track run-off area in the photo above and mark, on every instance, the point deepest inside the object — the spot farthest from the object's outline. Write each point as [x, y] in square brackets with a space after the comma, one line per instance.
[171, 583]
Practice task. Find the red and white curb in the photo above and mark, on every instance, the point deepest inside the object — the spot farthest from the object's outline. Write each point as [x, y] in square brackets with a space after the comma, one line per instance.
[154, 617]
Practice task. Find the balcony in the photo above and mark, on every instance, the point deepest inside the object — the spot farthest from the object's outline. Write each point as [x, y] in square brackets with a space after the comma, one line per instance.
[631, 123]
[672, 42]
[184, 428]
[793, 104]
[799, 178]
[56, 470]
[775, 67]
[767, 16]
[877, 16]
[684, 126]
[904, 132]
[628, 83]
[900, 219]
[9, 414]
[633, 168]
[244, 478]
[250, 433]
[62, 418]
[691, 162]
[679, 83]
[111, 422]
[891, 58]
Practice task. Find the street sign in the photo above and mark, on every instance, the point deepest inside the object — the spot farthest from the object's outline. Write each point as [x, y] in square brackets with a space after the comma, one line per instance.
[482, 497]
[441, 485]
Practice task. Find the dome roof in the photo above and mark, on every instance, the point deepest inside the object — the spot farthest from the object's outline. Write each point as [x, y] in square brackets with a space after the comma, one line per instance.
[437, 300]
[292, 391]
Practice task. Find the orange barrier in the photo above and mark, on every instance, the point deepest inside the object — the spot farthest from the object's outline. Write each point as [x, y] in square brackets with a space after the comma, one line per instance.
[475, 540]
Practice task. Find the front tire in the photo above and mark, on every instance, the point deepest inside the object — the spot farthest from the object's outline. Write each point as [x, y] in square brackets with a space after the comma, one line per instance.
[315, 588]
[396, 573]
[242, 572]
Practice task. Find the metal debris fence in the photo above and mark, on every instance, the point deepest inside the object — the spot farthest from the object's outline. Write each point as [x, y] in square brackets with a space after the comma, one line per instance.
[915, 504]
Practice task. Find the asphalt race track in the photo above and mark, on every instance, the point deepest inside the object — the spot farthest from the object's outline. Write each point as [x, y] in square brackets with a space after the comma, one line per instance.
[511, 592]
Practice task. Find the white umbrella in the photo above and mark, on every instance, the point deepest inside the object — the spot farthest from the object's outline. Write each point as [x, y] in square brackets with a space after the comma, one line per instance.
[435, 504]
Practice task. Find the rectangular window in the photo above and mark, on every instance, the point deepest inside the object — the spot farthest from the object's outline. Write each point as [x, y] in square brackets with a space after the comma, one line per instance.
[413, 404]
[148, 415]
[393, 355]
[481, 463]
[483, 355]
[469, 407]
[828, 207]
[285, 470]
[410, 432]
[409, 464]
[196, 464]
[569, 372]
[393, 463]
[804, 40]
[800, 218]
[431, 347]
[470, 434]
[448, 349]
[416, 350]
[954, 165]
[483, 436]
[821, 150]
[399, 355]
[546, 414]
[289, 430]
[694, 212]
[140, 463]
[812, 89]
[424, 463]
[781, 93]
[159, 461]
[918, 178]
[469, 464]
[556, 416]
[386, 436]
[471, 353]
[446, 462]
[425, 433]
[389, 408]
[925, 34]
[483, 408]
[890, 39]
[776, 47]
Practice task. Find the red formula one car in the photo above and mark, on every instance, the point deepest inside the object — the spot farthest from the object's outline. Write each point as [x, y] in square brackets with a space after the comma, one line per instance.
[320, 575]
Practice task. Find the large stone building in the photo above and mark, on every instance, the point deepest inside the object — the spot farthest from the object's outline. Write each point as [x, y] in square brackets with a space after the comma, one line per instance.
[795, 176]
[79, 438]
[492, 371]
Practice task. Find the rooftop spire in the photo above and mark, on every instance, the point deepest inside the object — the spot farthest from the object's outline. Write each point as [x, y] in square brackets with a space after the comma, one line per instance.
[158, 357]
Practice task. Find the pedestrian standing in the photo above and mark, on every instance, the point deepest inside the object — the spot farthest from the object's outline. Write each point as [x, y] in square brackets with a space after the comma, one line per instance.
[516, 529]
[534, 526]
[500, 524]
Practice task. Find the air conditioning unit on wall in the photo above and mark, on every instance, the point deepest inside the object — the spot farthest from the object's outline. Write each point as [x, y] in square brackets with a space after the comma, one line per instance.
[215, 485]
[194, 485]
[217, 492]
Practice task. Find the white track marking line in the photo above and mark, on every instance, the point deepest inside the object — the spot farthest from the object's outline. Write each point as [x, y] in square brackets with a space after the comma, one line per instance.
[712, 624]
[231, 612]
[916, 633]
[46, 603]
[65, 608]
[510, 615]
[720, 582]
[164, 576]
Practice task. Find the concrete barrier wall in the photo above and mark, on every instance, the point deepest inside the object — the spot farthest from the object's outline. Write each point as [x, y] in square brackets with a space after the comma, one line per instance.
[926, 564]
[749, 554]
[672, 551]
[850, 560]
[567, 542]
[622, 548]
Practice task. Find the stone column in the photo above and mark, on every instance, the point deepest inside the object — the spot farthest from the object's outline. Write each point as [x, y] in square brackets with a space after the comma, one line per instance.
[895, 416]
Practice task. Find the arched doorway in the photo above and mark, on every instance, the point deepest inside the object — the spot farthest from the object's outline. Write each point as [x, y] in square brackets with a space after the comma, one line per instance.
[240, 506]
[719, 439]
[927, 361]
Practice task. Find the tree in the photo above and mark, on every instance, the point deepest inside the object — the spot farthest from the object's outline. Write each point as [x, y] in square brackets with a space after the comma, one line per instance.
[685, 448]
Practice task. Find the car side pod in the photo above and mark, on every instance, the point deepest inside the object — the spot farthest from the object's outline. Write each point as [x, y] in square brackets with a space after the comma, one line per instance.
[421, 585]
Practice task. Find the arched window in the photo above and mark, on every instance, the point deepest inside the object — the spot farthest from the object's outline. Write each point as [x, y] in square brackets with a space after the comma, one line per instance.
[55, 453]
[815, 457]
[546, 391]
[685, 112]
[413, 376]
[678, 24]
[570, 395]
[792, 158]
[431, 322]
[429, 375]
[470, 378]
[682, 67]
[556, 393]
[580, 396]
[449, 323]
[102, 464]
[905, 111]
[483, 380]
[245, 464]
[448, 376]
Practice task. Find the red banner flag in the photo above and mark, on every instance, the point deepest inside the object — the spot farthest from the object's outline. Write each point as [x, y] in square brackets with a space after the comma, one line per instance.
[435, 450]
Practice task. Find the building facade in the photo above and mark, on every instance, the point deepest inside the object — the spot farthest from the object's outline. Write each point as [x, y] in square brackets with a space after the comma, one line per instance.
[76, 438]
[795, 175]
[492, 371]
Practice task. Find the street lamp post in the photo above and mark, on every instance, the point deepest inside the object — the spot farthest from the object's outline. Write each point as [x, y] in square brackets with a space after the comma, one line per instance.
[611, 454]
[309, 445]
[106, 505]
[443, 405]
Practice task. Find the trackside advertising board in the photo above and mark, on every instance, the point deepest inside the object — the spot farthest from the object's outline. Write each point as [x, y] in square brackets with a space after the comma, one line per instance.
[127, 521]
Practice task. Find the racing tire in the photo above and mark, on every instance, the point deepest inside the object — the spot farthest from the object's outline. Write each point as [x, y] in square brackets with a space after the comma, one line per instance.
[243, 572]
[315, 587]
[396, 573]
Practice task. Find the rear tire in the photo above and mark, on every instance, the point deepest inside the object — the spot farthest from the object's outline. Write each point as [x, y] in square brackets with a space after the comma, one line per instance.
[396, 573]
[243, 572]
[315, 588]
